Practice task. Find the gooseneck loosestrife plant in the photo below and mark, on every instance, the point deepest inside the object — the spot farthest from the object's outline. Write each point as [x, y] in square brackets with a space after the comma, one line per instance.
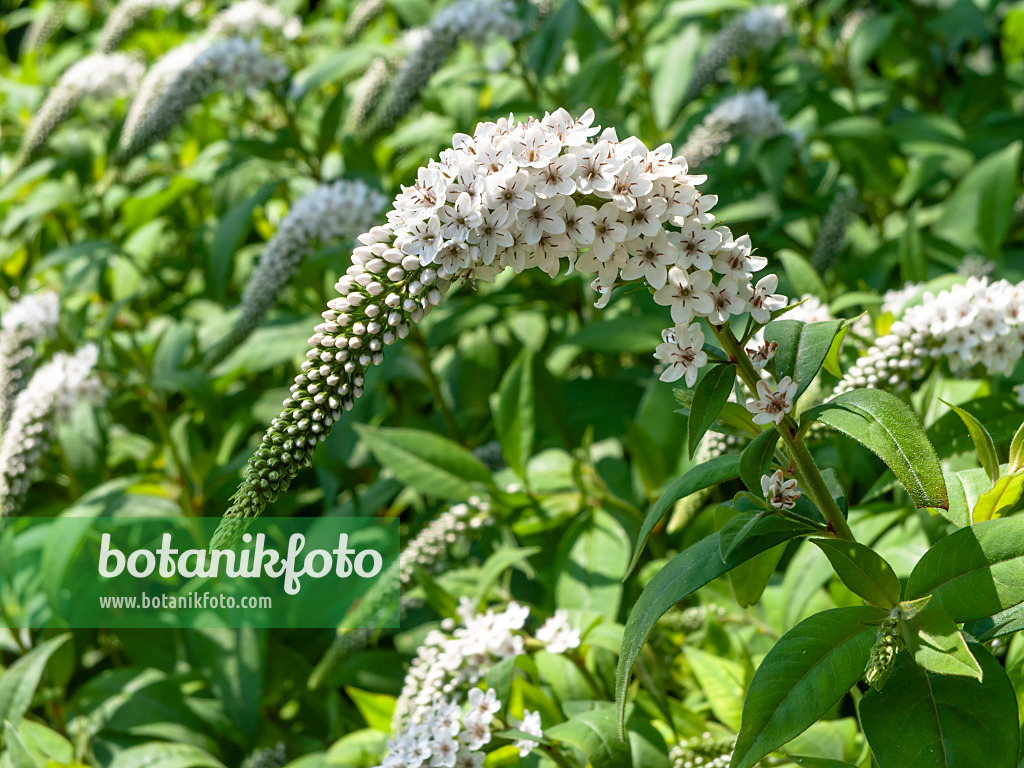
[562, 195]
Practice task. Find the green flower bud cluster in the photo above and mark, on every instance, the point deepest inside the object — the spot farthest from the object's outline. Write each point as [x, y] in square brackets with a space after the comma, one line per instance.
[832, 235]
[883, 654]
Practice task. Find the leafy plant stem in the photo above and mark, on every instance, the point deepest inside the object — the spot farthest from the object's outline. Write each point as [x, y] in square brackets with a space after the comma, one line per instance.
[450, 424]
[807, 472]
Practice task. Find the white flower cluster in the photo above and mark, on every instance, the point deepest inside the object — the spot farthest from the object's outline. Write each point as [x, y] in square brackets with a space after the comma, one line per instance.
[750, 114]
[704, 751]
[545, 194]
[53, 390]
[979, 323]
[475, 21]
[760, 27]
[22, 327]
[430, 725]
[430, 547]
[185, 76]
[895, 300]
[557, 634]
[104, 75]
[250, 17]
[975, 265]
[125, 16]
[330, 211]
[99, 76]
[536, 194]
[361, 16]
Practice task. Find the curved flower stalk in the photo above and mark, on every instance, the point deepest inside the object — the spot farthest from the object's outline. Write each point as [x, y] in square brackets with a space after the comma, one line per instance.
[367, 93]
[473, 20]
[22, 326]
[538, 194]
[251, 17]
[980, 323]
[51, 393]
[123, 18]
[183, 78]
[442, 717]
[360, 18]
[750, 114]
[832, 235]
[45, 22]
[330, 211]
[429, 550]
[759, 27]
[100, 76]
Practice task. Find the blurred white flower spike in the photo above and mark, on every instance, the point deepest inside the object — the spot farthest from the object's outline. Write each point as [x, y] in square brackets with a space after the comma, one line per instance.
[556, 193]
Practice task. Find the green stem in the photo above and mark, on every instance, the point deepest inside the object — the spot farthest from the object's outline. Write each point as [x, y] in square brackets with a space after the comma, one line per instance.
[807, 473]
[451, 425]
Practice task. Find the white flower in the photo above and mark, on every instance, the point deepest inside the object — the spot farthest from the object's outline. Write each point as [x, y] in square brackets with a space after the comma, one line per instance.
[608, 232]
[651, 258]
[681, 351]
[696, 246]
[483, 704]
[687, 293]
[772, 405]
[543, 217]
[531, 725]
[557, 635]
[727, 299]
[764, 300]
[781, 493]
[762, 355]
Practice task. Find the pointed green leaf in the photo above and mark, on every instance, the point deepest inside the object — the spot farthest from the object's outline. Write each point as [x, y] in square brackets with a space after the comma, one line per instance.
[1003, 497]
[938, 646]
[885, 425]
[1016, 452]
[974, 572]
[711, 395]
[925, 720]
[831, 363]
[864, 571]
[718, 470]
[803, 348]
[683, 575]
[594, 734]
[756, 459]
[19, 681]
[804, 675]
[722, 682]
[983, 443]
[514, 412]
[430, 463]
[1003, 623]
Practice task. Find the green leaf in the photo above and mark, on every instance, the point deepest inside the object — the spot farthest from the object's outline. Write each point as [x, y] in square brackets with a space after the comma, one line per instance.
[592, 565]
[804, 675]
[831, 363]
[498, 563]
[165, 755]
[804, 278]
[1003, 623]
[885, 425]
[756, 460]
[711, 395]
[594, 734]
[16, 754]
[683, 575]
[377, 709]
[722, 681]
[862, 570]
[803, 348]
[1003, 496]
[431, 464]
[514, 412]
[983, 442]
[231, 232]
[979, 211]
[1016, 462]
[924, 720]
[974, 572]
[19, 681]
[938, 646]
[668, 83]
[718, 470]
